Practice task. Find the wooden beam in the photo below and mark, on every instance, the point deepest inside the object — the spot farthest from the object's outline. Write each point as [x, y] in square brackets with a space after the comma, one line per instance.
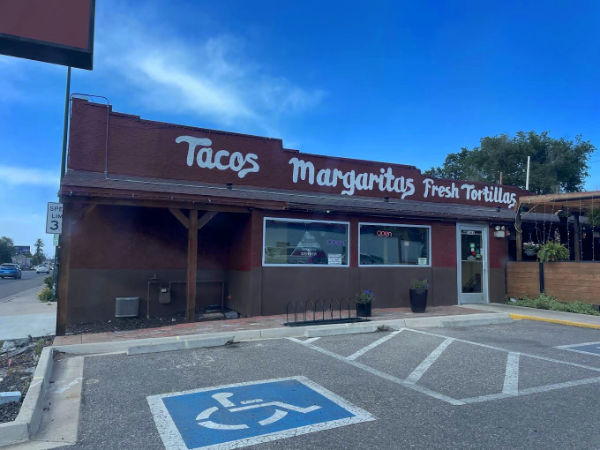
[519, 230]
[576, 234]
[64, 268]
[179, 215]
[219, 204]
[192, 262]
[207, 217]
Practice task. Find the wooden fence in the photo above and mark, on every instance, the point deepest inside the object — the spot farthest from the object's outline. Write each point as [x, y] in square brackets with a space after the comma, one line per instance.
[567, 281]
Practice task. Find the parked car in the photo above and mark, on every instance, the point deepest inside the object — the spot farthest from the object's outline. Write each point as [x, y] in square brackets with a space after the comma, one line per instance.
[10, 271]
[42, 269]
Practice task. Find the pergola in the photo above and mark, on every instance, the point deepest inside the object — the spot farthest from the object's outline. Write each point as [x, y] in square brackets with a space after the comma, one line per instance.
[574, 204]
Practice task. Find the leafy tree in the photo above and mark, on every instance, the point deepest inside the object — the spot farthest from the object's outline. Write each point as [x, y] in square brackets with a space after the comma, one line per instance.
[38, 256]
[7, 249]
[557, 165]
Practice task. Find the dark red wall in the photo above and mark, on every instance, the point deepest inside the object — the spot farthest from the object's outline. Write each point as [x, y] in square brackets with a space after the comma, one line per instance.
[162, 157]
[116, 249]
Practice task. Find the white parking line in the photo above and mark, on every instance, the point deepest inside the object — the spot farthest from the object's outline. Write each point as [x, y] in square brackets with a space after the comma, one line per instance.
[532, 390]
[577, 345]
[385, 376]
[511, 377]
[573, 348]
[372, 345]
[543, 358]
[427, 362]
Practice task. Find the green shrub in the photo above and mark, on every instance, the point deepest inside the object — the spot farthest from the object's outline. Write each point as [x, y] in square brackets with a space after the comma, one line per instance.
[39, 345]
[419, 284]
[544, 301]
[49, 281]
[552, 252]
[366, 296]
[45, 295]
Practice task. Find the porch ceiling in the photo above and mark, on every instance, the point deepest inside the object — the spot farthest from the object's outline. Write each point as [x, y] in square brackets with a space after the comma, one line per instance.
[119, 189]
[573, 202]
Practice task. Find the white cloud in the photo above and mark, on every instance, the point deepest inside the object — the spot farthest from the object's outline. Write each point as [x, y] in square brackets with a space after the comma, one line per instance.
[209, 76]
[13, 175]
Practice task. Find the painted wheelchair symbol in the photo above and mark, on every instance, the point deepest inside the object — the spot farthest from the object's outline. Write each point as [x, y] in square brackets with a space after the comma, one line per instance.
[223, 398]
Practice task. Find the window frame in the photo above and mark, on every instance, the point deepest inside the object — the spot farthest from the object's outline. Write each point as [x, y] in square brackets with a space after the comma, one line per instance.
[383, 224]
[283, 219]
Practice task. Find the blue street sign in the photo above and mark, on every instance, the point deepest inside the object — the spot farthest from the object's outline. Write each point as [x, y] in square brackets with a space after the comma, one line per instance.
[250, 413]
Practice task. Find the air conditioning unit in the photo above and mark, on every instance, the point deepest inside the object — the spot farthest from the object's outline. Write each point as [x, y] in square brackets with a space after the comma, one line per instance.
[127, 306]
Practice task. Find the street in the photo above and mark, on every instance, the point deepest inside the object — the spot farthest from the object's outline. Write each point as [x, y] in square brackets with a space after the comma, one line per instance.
[30, 279]
[498, 386]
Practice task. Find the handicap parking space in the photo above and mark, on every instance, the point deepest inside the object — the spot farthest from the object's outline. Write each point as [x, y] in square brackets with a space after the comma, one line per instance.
[250, 413]
[394, 389]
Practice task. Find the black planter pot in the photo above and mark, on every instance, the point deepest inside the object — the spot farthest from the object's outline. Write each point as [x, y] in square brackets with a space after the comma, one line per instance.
[418, 300]
[363, 309]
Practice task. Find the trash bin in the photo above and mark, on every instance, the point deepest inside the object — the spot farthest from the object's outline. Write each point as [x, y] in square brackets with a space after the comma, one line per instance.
[127, 306]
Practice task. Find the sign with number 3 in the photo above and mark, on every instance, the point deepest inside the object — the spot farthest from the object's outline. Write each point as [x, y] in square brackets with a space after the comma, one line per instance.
[54, 216]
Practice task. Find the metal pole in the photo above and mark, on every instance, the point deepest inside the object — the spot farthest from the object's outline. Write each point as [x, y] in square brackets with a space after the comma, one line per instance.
[65, 125]
[527, 177]
[63, 161]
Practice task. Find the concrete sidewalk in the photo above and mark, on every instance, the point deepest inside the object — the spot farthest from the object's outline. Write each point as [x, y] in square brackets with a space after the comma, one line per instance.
[22, 314]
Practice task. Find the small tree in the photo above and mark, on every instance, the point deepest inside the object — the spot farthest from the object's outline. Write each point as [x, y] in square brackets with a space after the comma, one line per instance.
[7, 249]
[38, 256]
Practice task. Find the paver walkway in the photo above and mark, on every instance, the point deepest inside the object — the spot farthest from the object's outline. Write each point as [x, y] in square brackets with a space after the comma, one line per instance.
[250, 323]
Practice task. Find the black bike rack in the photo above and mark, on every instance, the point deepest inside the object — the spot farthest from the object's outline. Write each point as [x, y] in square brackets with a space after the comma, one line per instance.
[321, 312]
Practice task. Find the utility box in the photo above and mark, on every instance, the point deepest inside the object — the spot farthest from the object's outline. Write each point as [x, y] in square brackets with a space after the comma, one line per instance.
[127, 306]
[164, 295]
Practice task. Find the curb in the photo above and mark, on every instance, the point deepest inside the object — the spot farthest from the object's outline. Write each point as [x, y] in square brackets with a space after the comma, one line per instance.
[28, 421]
[557, 321]
[180, 345]
[151, 345]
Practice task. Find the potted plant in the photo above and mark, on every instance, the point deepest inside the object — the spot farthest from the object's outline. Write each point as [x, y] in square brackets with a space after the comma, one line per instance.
[418, 296]
[530, 248]
[364, 300]
[553, 251]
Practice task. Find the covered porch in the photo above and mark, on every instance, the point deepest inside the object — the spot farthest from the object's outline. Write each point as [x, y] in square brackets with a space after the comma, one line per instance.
[572, 220]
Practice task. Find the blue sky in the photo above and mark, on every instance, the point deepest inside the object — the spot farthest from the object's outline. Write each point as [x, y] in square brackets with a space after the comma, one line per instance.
[405, 82]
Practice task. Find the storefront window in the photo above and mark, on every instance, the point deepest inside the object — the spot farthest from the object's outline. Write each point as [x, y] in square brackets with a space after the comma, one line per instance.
[394, 245]
[305, 242]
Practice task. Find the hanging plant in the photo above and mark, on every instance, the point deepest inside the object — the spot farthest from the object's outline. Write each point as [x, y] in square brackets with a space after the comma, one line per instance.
[531, 248]
[552, 252]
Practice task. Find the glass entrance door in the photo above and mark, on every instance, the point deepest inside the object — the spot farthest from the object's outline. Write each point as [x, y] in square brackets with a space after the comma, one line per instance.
[472, 263]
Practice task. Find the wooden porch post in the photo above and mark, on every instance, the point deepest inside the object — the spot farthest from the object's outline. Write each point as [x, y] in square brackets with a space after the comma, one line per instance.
[577, 232]
[519, 230]
[192, 263]
[64, 267]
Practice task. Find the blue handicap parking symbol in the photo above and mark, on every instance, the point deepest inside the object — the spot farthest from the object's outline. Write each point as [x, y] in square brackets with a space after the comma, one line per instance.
[593, 348]
[243, 414]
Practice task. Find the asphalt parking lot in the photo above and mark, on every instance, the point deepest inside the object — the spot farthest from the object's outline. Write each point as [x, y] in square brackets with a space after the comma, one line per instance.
[499, 386]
